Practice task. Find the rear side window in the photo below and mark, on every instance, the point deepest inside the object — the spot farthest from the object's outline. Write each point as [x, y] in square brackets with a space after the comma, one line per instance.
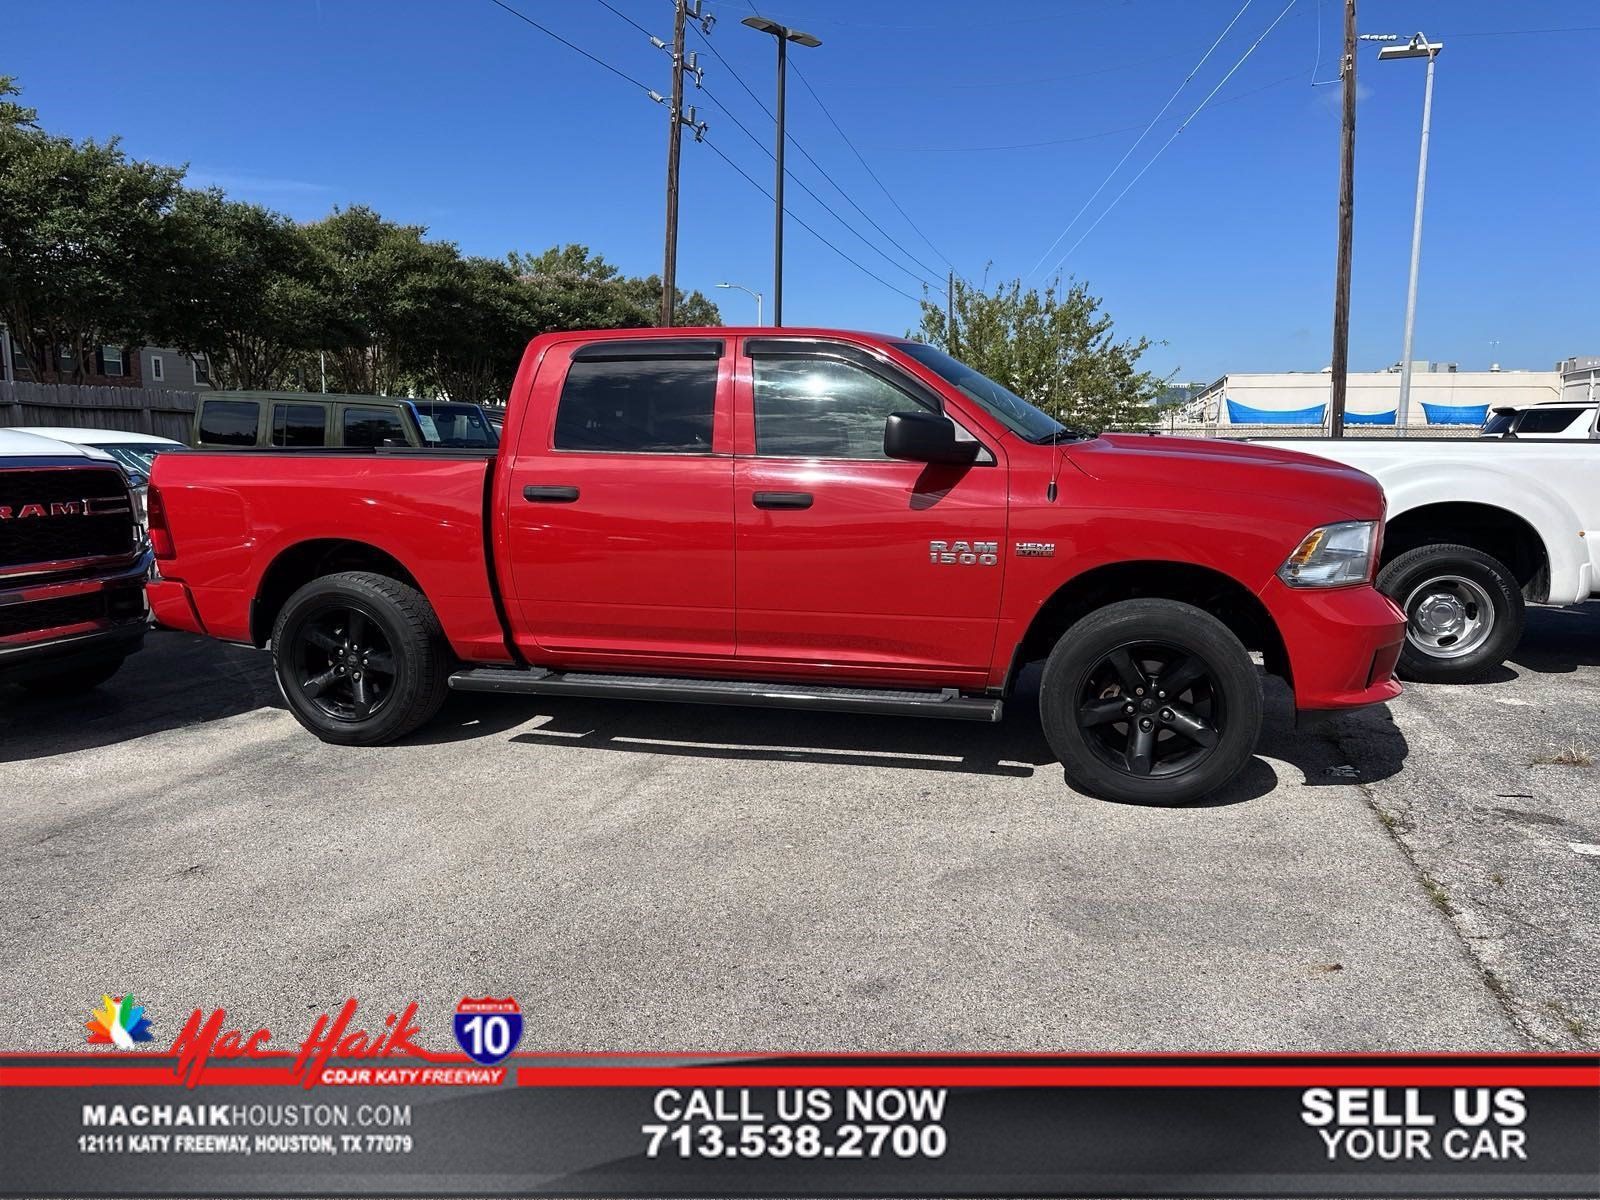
[1547, 420]
[638, 406]
[229, 422]
[373, 427]
[820, 408]
[299, 425]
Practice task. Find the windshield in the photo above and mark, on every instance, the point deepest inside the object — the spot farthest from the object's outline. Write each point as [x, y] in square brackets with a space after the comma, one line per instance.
[1497, 424]
[460, 426]
[139, 455]
[1001, 403]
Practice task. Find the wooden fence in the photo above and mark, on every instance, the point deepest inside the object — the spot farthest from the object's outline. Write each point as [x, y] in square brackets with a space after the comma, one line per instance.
[165, 412]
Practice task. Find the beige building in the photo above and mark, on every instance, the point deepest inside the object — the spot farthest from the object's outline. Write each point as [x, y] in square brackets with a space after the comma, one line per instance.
[1440, 395]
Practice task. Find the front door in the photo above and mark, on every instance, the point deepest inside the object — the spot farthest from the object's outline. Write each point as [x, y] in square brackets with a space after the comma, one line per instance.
[846, 558]
[620, 536]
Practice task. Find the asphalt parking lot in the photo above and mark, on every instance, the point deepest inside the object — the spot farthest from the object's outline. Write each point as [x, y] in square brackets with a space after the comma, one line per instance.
[662, 877]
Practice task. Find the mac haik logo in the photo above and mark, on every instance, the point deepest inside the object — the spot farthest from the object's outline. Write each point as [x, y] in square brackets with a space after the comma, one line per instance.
[488, 1029]
[206, 1037]
[118, 1022]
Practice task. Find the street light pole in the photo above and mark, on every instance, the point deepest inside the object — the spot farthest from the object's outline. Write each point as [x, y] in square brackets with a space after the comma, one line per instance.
[748, 292]
[784, 36]
[1417, 47]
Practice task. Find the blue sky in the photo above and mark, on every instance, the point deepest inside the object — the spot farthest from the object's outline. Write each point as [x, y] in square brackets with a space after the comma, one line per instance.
[990, 123]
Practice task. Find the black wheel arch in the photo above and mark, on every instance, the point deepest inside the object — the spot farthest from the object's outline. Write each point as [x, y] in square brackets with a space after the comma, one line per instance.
[1206, 588]
[299, 564]
[1495, 531]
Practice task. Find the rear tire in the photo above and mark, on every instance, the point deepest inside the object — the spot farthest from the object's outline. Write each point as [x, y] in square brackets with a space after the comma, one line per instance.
[1464, 612]
[360, 658]
[1150, 702]
[76, 680]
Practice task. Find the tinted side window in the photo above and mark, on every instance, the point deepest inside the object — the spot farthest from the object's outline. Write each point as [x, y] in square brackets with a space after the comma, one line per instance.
[373, 427]
[229, 422]
[638, 406]
[818, 408]
[1548, 420]
[299, 425]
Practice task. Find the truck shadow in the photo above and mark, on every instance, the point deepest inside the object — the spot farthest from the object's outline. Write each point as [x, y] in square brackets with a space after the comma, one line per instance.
[1014, 748]
[177, 680]
[1557, 641]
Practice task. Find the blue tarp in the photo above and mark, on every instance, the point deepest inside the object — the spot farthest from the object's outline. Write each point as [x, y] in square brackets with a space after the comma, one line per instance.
[1455, 414]
[1378, 418]
[1243, 414]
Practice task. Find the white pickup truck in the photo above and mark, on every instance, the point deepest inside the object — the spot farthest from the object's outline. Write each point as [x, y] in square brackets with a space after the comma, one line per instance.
[1475, 528]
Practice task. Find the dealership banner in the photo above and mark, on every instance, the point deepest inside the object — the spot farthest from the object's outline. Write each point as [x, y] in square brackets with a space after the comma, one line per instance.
[354, 1107]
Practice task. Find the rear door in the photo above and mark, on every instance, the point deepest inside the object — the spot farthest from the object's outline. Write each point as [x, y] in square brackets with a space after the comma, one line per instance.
[847, 559]
[620, 526]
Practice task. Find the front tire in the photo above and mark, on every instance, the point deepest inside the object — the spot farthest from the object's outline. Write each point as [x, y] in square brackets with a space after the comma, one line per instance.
[1464, 612]
[1150, 702]
[360, 658]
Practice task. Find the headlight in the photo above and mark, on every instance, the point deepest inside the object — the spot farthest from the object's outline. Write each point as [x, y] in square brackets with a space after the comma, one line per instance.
[139, 492]
[1333, 556]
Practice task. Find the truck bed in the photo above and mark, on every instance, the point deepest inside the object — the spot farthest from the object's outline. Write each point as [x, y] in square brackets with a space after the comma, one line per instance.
[235, 516]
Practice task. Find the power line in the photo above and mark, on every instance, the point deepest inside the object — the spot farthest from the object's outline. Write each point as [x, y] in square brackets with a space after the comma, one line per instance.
[801, 222]
[1198, 109]
[1520, 32]
[820, 169]
[859, 236]
[718, 150]
[618, 12]
[1083, 137]
[599, 62]
[882, 187]
[750, 4]
[1140, 139]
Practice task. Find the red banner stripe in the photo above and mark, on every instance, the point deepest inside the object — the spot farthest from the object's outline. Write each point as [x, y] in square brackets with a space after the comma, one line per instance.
[942, 1076]
[1113, 1076]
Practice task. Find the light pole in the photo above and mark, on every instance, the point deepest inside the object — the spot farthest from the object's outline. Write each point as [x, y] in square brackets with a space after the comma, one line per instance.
[783, 35]
[748, 292]
[1418, 47]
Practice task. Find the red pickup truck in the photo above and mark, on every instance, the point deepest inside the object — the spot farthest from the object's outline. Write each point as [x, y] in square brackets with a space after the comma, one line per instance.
[801, 518]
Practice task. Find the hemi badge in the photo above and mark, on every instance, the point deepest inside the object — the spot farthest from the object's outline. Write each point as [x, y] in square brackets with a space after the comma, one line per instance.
[1036, 549]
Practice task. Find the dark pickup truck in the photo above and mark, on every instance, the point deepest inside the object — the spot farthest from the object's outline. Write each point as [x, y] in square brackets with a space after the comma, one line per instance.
[795, 517]
[72, 566]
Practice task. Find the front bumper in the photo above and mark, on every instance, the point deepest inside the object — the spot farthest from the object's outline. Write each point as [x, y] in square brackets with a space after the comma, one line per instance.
[57, 624]
[1342, 644]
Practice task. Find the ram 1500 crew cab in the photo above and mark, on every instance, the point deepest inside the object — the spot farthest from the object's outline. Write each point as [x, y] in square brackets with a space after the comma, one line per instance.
[1477, 527]
[801, 518]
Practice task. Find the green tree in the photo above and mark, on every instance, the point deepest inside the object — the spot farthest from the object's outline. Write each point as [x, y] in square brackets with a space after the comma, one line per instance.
[245, 288]
[470, 350]
[574, 289]
[80, 240]
[382, 286]
[1056, 349]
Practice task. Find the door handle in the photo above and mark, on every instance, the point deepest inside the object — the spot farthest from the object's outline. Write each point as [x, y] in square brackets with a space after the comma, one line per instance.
[782, 499]
[546, 493]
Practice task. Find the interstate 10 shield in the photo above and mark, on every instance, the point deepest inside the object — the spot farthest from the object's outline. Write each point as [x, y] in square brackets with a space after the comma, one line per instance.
[488, 1029]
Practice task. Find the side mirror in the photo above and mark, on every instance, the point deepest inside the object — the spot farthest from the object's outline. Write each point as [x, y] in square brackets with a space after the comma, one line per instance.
[926, 437]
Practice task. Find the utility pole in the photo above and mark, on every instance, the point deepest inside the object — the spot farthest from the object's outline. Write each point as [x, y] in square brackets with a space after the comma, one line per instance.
[676, 119]
[1347, 204]
[950, 313]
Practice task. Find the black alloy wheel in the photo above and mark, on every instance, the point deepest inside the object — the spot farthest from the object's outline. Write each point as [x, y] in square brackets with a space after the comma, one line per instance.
[1150, 701]
[360, 658]
[343, 663]
[1151, 710]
